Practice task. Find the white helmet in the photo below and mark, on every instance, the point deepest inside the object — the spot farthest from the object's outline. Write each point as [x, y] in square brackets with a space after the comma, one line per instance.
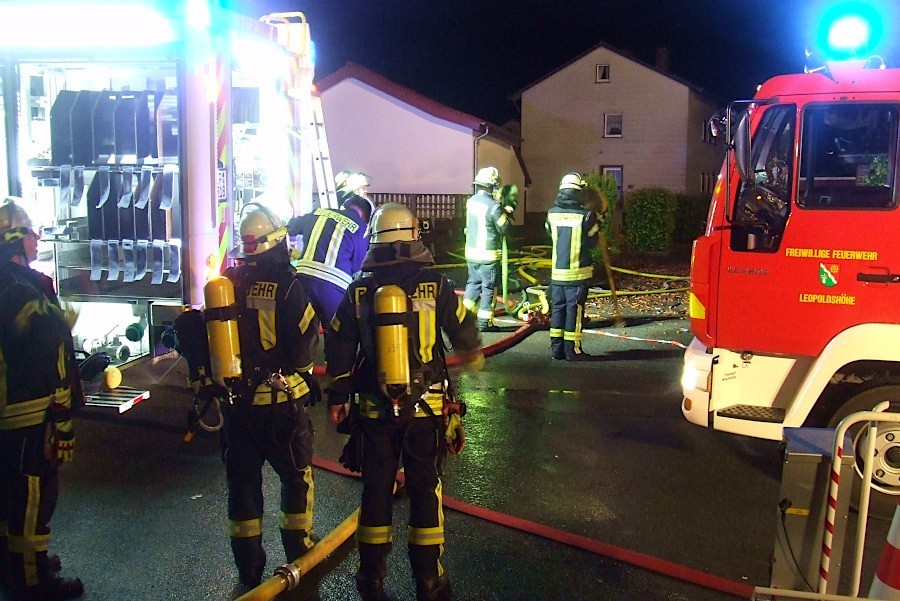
[393, 222]
[261, 230]
[14, 221]
[487, 177]
[350, 182]
[572, 181]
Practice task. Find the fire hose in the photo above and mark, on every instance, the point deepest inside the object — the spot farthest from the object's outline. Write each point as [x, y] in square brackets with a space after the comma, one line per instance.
[288, 576]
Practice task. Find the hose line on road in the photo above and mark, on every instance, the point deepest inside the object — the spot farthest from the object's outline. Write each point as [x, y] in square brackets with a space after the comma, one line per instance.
[641, 560]
[288, 576]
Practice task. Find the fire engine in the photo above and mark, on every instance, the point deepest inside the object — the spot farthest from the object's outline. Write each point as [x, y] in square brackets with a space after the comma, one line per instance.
[135, 131]
[795, 283]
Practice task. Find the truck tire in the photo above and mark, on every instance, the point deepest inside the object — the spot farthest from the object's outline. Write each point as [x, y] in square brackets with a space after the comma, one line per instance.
[881, 505]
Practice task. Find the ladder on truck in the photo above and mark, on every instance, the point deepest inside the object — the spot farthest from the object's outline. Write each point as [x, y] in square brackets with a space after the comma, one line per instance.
[325, 188]
[312, 135]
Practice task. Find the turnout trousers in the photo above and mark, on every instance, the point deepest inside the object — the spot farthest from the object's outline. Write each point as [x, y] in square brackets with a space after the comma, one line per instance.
[385, 443]
[281, 435]
[324, 297]
[29, 489]
[482, 281]
[567, 302]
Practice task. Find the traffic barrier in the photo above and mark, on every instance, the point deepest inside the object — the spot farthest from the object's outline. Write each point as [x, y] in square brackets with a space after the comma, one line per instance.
[886, 584]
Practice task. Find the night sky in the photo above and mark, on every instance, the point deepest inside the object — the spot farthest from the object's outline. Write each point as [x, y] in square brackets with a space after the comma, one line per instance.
[473, 54]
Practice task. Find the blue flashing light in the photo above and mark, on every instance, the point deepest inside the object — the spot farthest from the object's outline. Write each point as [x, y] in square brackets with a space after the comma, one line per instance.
[849, 34]
[83, 25]
[850, 30]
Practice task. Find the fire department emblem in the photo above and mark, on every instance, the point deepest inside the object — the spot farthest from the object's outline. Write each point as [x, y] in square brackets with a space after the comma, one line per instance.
[828, 274]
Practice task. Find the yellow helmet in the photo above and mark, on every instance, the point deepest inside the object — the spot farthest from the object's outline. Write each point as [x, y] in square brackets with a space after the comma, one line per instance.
[487, 177]
[261, 230]
[572, 181]
[393, 222]
[14, 221]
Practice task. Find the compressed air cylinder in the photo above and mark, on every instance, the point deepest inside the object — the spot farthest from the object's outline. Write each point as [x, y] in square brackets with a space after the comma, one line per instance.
[392, 340]
[222, 329]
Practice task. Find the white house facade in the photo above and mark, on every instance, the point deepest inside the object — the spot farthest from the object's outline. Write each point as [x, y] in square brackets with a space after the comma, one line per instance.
[406, 143]
[608, 112]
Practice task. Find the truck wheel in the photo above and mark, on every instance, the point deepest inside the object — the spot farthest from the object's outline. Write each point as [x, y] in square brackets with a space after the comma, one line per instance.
[886, 471]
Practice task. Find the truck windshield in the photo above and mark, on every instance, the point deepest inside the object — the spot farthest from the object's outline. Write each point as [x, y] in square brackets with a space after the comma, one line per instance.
[848, 156]
[763, 204]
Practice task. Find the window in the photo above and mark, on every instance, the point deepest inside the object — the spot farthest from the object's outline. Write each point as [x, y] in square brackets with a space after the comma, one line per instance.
[707, 181]
[848, 156]
[707, 136]
[602, 74]
[763, 205]
[612, 125]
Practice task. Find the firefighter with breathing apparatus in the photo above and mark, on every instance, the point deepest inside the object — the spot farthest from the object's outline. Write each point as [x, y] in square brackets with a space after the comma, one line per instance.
[386, 345]
[263, 335]
[334, 243]
[574, 230]
[487, 222]
[39, 386]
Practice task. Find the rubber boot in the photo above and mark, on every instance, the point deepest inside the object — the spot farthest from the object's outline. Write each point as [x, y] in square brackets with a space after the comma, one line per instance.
[556, 348]
[574, 353]
[294, 543]
[250, 559]
[54, 588]
[370, 589]
[433, 589]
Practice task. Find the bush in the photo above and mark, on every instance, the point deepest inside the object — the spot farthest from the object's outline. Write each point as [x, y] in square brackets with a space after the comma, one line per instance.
[649, 220]
[690, 216]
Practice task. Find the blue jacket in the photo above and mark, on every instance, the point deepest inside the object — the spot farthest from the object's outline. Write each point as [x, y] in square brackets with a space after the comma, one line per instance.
[334, 244]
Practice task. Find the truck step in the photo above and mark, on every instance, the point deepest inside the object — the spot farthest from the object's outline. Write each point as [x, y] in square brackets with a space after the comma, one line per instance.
[753, 413]
[122, 398]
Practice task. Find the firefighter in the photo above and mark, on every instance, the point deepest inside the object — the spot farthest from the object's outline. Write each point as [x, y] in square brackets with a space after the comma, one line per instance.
[334, 243]
[266, 419]
[487, 221]
[390, 323]
[36, 400]
[574, 230]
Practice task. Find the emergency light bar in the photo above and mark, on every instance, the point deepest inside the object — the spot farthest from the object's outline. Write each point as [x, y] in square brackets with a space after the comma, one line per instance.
[83, 25]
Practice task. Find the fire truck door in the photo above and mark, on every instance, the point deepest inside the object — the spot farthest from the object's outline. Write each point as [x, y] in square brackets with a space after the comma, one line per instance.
[812, 246]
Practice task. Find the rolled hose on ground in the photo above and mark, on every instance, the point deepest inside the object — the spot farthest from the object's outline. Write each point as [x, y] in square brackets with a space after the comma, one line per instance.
[641, 560]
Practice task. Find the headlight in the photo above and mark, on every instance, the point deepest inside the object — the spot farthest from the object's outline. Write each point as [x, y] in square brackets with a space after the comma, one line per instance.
[695, 379]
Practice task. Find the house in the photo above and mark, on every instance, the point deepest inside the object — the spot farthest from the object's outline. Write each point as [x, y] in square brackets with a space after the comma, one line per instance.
[613, 113]
[415, 149]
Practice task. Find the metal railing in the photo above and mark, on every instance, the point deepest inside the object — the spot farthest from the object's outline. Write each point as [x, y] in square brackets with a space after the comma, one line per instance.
[878, 415]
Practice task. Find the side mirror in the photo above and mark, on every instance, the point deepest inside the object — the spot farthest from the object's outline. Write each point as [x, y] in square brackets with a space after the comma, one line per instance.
[742, 148]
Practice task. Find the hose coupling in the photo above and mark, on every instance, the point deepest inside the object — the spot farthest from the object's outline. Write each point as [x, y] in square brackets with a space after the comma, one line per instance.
[291, 575]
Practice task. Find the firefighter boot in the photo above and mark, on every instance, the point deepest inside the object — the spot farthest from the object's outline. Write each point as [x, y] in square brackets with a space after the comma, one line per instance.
[53, 588]
[556, 348]
[574, 353]
[487, 326]
[372, 570]
[250, 559]
[370, 588]
[433, 589]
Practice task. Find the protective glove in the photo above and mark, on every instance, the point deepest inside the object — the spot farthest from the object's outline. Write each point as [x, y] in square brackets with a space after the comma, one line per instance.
[454, 434]
[315, 390]
[59, 445]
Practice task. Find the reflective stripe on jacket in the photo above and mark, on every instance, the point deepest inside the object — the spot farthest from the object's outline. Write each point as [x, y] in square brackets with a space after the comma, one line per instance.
[574, 232]
[486, 224]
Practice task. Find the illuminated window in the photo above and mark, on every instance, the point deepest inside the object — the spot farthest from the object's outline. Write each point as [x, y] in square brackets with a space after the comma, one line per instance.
[602, 74]
[612, 125]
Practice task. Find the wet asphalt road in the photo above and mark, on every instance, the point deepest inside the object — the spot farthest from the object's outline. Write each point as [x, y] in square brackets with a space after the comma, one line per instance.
[597, 449]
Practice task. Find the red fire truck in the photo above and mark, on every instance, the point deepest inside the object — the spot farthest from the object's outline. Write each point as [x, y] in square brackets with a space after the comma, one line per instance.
[795, 284]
